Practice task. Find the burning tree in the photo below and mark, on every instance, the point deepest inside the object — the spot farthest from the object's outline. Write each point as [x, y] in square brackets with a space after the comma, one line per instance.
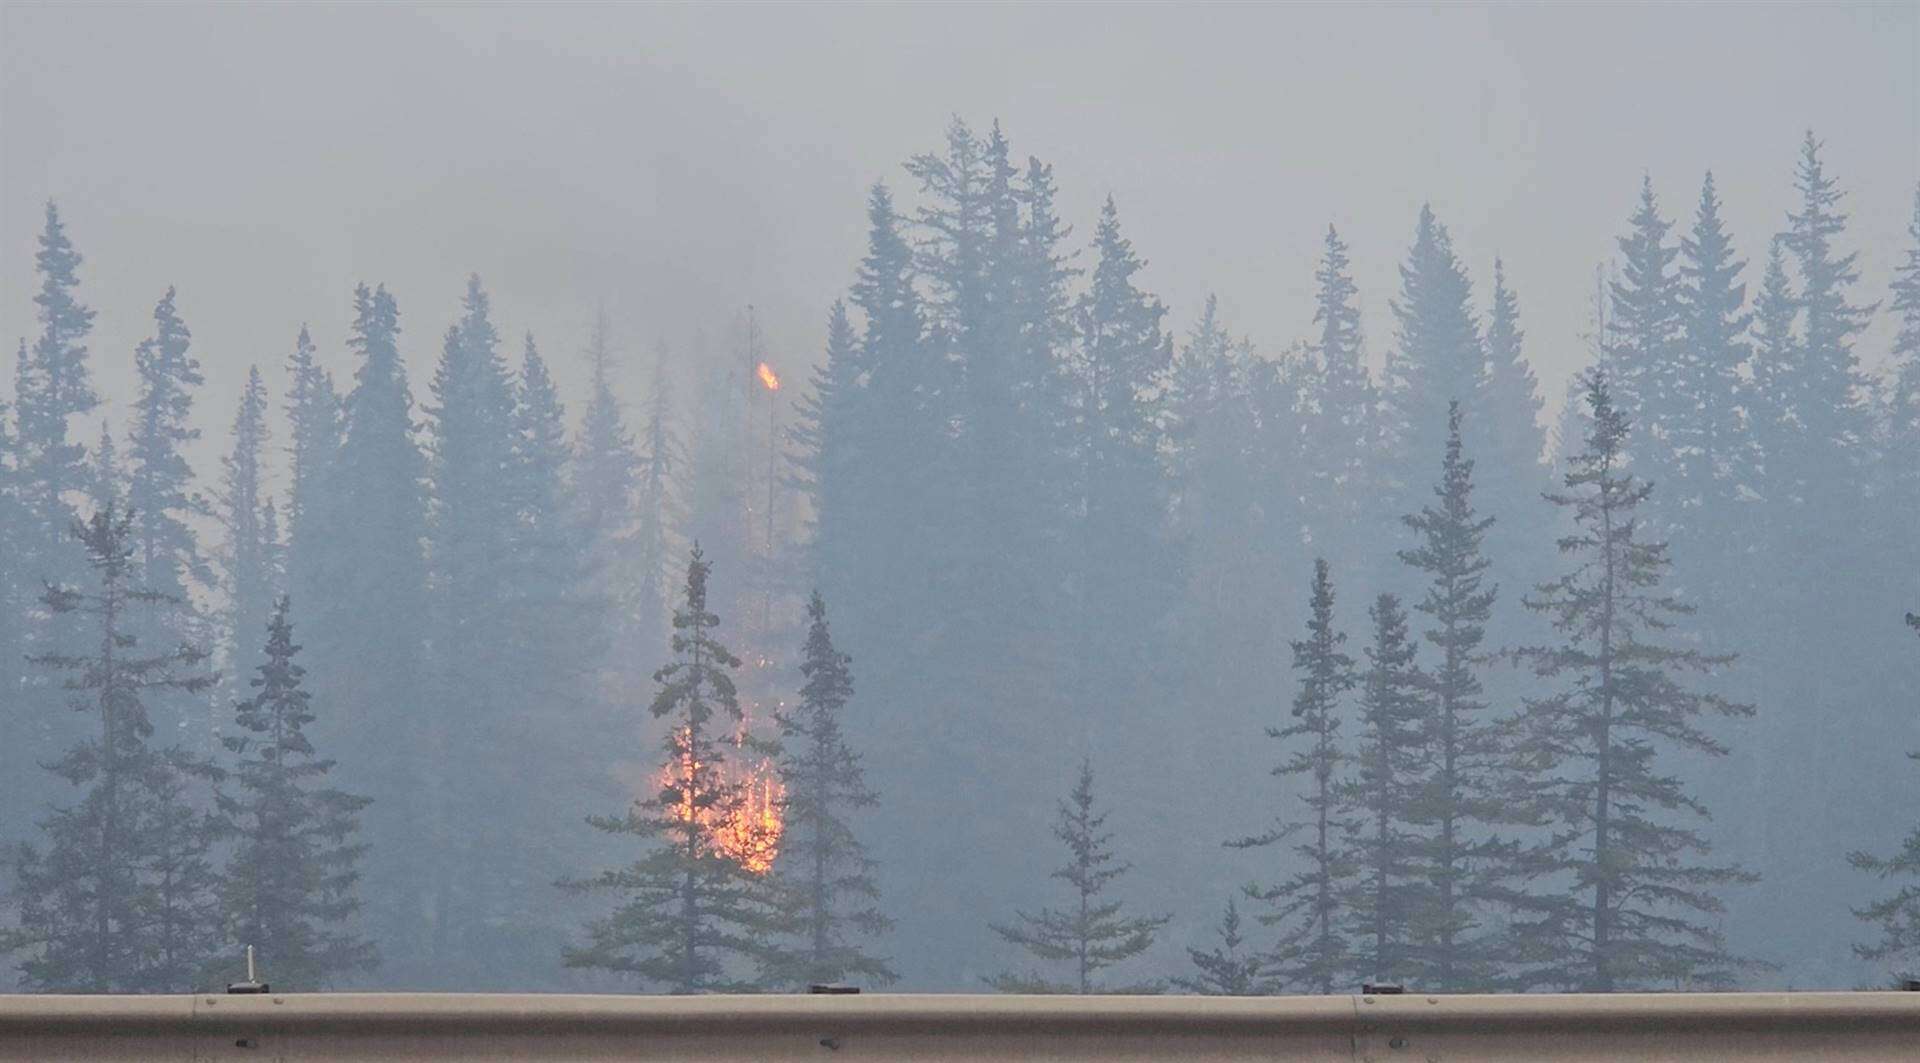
[827, 876]
[1092, 935]
[698, 898]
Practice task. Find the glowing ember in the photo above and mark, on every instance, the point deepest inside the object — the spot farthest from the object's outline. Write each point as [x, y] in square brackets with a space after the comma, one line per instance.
[768, 378]
[747, 831]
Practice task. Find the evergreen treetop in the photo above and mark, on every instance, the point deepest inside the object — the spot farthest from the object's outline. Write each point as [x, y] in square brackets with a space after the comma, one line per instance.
[1092, 934]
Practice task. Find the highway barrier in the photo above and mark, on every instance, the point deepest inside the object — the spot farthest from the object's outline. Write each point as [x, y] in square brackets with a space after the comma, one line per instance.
[396, 1027]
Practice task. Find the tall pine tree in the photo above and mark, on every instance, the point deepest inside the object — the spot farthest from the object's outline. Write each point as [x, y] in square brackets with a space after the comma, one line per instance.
[1461, 794]
[291, 886]
[1625, 898]
[1315, 950]
[1392, 764]
[248, 559]
[822, 867]
[123, 897]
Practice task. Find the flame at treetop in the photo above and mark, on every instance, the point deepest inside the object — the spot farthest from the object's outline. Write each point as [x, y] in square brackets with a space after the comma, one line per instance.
[768, 378]
[746, 832]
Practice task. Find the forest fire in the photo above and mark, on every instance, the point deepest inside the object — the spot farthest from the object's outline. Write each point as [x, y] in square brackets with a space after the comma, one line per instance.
[747, 830]
[768, 378]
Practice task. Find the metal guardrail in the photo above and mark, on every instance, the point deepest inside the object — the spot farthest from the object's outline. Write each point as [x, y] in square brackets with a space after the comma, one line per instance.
[390, 1027]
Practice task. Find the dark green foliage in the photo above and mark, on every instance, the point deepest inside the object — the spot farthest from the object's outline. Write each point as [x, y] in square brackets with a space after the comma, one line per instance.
[124, 896]
[1460, 794]
[823, 870]
[291, 886]
[1621, 897]
[1230, 969]
[1092, 934]
[1315, 950]
[1392, 765]
[689, 914]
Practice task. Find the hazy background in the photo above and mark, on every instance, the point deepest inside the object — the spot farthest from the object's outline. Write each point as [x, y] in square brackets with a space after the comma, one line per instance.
[679, 162]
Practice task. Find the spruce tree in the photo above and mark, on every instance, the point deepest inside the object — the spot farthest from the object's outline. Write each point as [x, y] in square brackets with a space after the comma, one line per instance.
[1437, 357]
[1460, 796]
[663, 460]
[1714, 452]
[249, 572]
[291, 886]
[123, 897]
[160, 482]
[365, 635]
[1625, 896]
[824, 871]
[1391, 770]
[1897, 915]
[1315, 949]
[1230, 969]
[1122, 354]
[314, 433]
[690, 914]
[1817, 429]
[1092, 934]
[1643, 344]
[52, 385]
[1340, 441]
[604, 472]
[1511, 441]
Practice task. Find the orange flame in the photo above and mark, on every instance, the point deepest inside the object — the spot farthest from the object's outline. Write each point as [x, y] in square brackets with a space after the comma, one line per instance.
[768, 378]
[746, 832]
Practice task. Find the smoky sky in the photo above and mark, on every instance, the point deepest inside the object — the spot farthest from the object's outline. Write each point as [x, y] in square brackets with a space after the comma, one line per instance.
[675, 164]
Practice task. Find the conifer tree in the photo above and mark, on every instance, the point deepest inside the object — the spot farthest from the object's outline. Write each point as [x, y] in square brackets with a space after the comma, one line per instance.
[1315, 950]
[314, 434]
[365, 634]
[1438, 357]
[1713, 451]
[291, 885]
[106, 476]
[823, 869]
[1643, 344]
[122, 899]
[1122, 354]
[1896, 916]
[160, 487]
[1340, 443]
[1229, 969]
[689, 914]
[658, 499]
[1626, 896]
[52, 385]
[1902, 460]
[561, 609]
[1460, 797]
[1513, 442]
[1390, 898]
[1092, 934]
[604, 471]
[247, 560]
[1815, 437]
